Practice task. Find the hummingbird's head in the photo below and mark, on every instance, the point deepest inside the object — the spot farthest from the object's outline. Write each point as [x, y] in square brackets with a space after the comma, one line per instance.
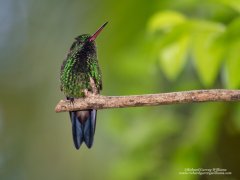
[83, 39]
[87, 38]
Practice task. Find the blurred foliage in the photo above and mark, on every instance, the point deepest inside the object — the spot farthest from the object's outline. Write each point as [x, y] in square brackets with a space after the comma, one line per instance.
[207, 42]
[147, 47]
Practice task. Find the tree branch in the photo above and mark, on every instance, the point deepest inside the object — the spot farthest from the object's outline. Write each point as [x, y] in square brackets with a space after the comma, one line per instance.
[105, 102]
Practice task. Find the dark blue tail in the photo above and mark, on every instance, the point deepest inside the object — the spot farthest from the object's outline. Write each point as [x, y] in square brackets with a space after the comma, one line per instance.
[83, 127]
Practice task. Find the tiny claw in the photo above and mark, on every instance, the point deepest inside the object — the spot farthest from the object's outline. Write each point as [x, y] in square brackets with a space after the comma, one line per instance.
[71, 101]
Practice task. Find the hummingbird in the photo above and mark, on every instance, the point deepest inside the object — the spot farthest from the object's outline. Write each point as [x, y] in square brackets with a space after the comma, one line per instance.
[80, 74]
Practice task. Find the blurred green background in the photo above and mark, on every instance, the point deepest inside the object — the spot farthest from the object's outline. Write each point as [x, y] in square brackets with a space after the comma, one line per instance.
[147, 47]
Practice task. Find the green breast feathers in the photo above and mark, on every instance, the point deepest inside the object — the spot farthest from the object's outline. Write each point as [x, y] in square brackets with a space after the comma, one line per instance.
[80, 65]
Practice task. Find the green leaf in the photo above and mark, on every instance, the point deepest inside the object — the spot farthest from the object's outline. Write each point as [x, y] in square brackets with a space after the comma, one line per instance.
[234, 4]
[232, 78]
[233, 65]
[232, 32]
[165, 21]
[208, 51]
[173, 56]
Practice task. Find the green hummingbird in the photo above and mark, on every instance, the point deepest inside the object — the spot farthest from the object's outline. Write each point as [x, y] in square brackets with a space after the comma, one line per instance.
[79, 72]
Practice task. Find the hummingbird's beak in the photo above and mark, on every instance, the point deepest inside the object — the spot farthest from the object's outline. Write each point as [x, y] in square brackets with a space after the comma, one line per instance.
[95, 35]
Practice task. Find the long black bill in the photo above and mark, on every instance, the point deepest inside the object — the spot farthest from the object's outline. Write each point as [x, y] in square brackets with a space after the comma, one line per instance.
[95, 35]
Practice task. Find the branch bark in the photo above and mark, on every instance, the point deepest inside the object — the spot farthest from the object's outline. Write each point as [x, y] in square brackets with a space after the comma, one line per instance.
[105, 102]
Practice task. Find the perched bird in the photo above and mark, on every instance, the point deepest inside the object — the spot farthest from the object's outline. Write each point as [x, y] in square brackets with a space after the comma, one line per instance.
[80, 75]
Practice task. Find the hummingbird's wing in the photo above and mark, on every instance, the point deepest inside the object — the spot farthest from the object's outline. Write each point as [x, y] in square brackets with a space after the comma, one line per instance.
[69, 56]
[62, 71]
[100, 78]
[96, 76]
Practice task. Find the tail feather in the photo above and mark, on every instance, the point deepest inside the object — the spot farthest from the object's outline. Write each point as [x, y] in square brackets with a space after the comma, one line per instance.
[83, 127]
[76, 130]
[89, 128]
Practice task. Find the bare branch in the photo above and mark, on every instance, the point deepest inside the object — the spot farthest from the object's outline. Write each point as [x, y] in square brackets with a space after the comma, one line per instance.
[105, 102]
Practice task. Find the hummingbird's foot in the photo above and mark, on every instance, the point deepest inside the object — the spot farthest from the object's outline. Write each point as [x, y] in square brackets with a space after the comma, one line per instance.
[93, 86]
[71, 101]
